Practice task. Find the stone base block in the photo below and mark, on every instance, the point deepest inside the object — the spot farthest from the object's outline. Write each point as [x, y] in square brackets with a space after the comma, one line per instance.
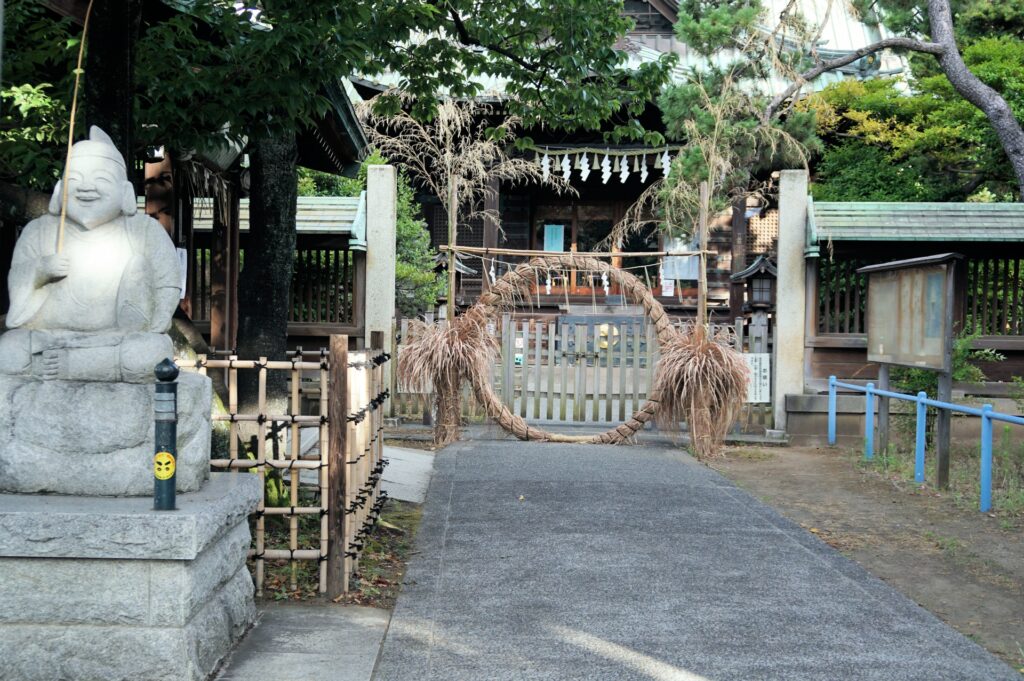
[74, 437]
[108, 589]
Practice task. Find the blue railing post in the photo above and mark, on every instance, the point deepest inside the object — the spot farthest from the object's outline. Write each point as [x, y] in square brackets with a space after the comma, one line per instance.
[831, 410]
[986, 459]
[869, 421]
[922, 436]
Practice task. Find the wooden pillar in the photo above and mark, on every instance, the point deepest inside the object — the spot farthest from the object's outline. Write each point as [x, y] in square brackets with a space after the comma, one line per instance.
[883, 409]
[492, 206]
[739, 257]
[234, 260]
[702, 274]
[219, 274]
[359, 295]
[183, 225]
[942, 431]
[337, 419]
[810, 314]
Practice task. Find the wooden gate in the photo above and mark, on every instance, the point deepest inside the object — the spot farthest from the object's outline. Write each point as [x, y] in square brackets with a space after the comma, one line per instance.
[580, 369]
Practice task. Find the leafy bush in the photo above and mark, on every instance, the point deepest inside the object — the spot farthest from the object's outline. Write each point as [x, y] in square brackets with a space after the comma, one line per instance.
[910, 380]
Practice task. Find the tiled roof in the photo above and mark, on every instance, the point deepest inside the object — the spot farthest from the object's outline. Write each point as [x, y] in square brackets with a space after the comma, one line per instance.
[314, 215]
[891, 221]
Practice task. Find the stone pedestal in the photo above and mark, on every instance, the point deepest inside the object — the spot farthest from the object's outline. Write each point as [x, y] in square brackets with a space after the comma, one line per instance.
[108, 589]
[75, 437]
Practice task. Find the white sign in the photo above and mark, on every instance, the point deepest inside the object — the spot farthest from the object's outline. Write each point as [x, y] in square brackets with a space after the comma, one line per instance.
[668, 287]
[759, 383]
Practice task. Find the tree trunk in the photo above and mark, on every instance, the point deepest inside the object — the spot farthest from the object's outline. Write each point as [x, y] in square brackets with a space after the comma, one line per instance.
[970, 87]
[264, 284]
[108, 82]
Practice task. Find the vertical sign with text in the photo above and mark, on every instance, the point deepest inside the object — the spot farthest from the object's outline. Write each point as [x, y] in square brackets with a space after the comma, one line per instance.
[759, 382]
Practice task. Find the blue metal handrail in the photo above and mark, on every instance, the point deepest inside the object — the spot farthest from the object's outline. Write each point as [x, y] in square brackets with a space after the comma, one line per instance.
[923, 402]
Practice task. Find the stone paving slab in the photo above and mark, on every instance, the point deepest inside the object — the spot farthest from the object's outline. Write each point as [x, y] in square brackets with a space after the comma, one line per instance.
[545, 561]
[407, 474]
[302, 642]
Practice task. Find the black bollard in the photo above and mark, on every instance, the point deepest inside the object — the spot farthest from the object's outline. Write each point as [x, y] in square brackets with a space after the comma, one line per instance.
[165, 415]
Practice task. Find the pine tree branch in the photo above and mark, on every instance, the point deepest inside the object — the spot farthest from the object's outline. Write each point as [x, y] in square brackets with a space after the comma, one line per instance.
[831, 64]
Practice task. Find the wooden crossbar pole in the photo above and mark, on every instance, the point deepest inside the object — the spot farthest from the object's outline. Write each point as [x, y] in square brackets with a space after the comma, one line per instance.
[477, 250]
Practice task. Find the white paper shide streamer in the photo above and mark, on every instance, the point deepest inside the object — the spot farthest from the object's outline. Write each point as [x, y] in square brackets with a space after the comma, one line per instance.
[606, 169]
[643, 168]
[623, 169]
[545, 167]
[566, 168]
[584, 168]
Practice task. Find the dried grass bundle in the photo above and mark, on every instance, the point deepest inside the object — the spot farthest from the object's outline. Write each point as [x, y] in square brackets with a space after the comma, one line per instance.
[701, 380]
[439, 357]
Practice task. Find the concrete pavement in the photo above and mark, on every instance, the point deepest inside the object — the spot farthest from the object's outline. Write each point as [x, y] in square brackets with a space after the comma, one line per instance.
[408, 473]
[324, 641]
[543, 561]
[308, 642]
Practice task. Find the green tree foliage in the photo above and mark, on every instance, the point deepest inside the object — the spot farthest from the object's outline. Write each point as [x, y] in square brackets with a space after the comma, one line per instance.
[716, 113]
[709, 26]
[857, 171]
[417, 285]
[974, 18]
[317, 183]
[210, 73]
[890, 143]
[34, 97]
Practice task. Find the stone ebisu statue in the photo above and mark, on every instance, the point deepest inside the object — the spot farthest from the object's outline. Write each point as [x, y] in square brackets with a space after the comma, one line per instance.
[99, 309]
[88, 324]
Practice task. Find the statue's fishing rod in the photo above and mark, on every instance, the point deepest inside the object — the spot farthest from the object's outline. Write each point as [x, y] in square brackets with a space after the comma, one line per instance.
[71, 129]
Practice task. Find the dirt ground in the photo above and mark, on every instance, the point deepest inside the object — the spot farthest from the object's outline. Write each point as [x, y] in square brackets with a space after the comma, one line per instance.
[964, 566]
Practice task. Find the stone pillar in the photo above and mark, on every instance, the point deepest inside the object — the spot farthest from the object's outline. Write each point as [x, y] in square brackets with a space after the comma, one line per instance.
[381, 195]
[791, 302]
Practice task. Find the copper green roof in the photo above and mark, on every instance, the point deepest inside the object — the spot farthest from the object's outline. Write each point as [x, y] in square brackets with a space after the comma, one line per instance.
[893, 221]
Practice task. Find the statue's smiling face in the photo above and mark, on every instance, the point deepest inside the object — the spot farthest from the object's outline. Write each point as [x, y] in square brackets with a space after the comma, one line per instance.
[95, 190]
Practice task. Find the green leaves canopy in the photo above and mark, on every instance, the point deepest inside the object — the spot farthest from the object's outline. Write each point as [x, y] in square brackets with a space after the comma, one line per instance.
[928, 144]
[209, 74]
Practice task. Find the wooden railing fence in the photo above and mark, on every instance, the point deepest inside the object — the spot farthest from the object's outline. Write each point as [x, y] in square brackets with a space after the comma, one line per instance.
[993, 305]
[339, 397]
[322, 289]
[994, 301]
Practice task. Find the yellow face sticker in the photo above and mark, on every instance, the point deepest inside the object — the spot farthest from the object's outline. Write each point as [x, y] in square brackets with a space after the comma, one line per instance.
[163, 465]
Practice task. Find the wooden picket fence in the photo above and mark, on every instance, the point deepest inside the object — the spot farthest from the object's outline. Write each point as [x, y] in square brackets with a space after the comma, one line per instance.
[583, 369]
[338, 396]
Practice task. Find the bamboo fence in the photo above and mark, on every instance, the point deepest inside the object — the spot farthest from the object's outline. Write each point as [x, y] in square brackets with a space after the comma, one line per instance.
[342, 395]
